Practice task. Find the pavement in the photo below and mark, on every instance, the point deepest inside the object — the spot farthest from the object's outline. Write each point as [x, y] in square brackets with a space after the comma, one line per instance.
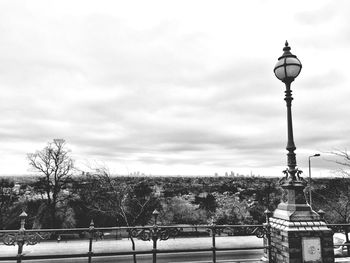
[112, 245]
[109, 245]
[343, 260]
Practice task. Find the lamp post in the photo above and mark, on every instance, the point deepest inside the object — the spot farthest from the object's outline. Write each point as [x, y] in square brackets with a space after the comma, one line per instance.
[293, 206]
[298, 232]
[310, 196]
[287, 69]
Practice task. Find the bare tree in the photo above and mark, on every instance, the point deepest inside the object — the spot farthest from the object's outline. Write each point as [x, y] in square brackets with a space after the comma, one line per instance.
[333, 196]
[342, 158]
[124, 202]
[55, 166]
[116, 198]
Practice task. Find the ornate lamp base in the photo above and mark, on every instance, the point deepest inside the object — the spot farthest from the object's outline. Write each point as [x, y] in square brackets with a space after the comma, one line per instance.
[293, 206]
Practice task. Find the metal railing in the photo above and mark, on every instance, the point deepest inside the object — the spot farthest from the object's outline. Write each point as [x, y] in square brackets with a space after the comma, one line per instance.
[344, 229]
[152, 233]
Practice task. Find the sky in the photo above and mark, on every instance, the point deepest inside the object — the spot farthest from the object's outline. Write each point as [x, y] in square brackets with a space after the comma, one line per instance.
[173, 87]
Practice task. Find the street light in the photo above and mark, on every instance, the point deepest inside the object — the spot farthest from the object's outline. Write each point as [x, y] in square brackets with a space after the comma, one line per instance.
[291, 221]
[287, 69]
[315, 155]
[293, 206]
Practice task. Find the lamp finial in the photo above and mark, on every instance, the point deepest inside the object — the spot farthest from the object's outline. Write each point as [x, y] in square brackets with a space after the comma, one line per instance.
[286, 47]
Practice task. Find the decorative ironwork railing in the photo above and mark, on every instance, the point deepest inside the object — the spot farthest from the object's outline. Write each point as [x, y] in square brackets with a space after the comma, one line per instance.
[153, 233]
[344, 247]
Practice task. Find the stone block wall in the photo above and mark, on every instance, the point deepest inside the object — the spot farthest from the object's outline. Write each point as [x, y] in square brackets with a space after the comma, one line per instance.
[286, 240]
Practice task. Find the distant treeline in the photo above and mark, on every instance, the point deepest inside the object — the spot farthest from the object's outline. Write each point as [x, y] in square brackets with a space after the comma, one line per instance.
[127, 200]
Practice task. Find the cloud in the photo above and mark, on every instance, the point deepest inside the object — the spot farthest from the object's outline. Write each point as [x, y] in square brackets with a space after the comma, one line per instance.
[321, 14]
[181, 90]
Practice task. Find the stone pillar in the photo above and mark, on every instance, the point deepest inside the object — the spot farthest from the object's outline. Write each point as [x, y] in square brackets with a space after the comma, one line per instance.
[298, 234]
[303, 241]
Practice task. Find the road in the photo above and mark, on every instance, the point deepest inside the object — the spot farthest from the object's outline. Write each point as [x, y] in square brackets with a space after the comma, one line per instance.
[76, 246]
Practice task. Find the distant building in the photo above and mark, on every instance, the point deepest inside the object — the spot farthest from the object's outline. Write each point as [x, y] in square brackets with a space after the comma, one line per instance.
[203, 195]
[158, 191]
[6, 190]
[16, 188]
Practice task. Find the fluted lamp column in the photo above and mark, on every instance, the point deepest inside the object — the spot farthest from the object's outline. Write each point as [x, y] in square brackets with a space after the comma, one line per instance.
[293, 206]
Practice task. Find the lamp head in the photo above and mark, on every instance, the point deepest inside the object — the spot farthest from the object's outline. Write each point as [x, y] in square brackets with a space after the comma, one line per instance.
[23, 215]
[155, 215]
[288, 66]
[155, 212]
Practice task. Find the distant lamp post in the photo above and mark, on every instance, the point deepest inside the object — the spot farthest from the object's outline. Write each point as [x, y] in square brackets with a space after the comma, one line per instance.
[155, 215]
[310, 196]
[22, 218]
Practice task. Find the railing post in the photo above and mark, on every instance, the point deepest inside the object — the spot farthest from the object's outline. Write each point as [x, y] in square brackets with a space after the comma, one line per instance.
[347, 240]
[20, 240]
[155, 235]
[321, 213]
[268, 214]
[154, 238]
[91, 237]
[213, 234]
[20, 243]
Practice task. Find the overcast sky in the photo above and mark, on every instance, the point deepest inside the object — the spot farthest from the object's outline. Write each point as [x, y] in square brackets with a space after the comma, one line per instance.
[173, 87]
